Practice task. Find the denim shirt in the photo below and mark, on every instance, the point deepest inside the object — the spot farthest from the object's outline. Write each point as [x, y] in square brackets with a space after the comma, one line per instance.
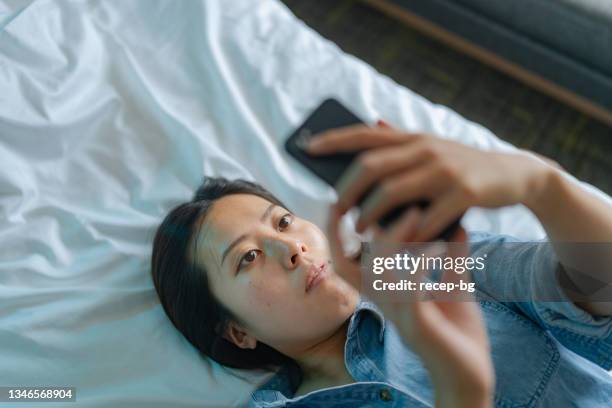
[545, 354]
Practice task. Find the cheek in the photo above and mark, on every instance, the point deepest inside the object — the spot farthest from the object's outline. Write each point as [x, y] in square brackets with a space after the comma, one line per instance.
[314, 236]
[272, 310]
[265, 295]
[260, 295]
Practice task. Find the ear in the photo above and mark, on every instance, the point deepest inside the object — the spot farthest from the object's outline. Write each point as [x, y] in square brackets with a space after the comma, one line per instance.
[237, 335]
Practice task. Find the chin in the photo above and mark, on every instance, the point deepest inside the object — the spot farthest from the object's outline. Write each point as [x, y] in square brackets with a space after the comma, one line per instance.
[341, 294]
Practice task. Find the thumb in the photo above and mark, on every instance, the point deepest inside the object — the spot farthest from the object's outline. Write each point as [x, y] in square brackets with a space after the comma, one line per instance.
[346, 268]
[457, 247]
[333, 231]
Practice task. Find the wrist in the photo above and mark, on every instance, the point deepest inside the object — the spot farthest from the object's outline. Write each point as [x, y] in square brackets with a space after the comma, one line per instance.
[542, 187]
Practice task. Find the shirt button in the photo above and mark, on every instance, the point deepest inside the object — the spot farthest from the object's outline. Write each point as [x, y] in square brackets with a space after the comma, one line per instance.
[385, 395]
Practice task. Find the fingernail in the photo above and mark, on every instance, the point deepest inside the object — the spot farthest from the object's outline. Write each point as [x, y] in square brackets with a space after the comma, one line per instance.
[313, 145]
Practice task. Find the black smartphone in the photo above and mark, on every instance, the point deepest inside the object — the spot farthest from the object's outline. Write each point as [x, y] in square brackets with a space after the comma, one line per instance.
[329, 115]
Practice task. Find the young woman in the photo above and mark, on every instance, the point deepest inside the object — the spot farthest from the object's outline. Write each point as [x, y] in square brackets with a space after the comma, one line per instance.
[252, 285]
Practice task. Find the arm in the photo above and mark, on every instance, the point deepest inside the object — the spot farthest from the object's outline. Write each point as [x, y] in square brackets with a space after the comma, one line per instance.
[567, 211]
[571, 214]
[449, 336]
[454, 177]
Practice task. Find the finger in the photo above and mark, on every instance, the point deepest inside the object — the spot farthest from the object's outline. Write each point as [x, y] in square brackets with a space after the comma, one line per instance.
[403, 229]
[333, 231]
[373, 165]
[388, 244]
[354, 138]
[397, 190]
[442, 321]
[437, 334]
[457, 248]
[429, 327]
[460, 236]
[426, 319]
[342, 264]
[429, 250]
[465, 313]
[442, 211]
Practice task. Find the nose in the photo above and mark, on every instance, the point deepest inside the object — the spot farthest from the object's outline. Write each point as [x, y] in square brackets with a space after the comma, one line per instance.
[291, 252]
[296, 255]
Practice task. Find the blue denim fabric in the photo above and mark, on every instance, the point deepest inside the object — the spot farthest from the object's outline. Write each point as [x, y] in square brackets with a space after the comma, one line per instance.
[545, 354]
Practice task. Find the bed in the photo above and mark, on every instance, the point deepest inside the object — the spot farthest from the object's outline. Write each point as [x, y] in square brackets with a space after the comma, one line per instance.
[110, 115]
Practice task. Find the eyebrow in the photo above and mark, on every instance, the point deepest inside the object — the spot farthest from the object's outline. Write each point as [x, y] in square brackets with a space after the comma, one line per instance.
[241, 238]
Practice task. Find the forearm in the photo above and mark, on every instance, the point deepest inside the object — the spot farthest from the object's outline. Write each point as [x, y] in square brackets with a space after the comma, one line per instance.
[571, 214]
[568, 212]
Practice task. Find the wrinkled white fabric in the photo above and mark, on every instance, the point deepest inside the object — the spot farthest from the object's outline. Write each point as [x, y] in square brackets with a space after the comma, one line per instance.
[110, 114]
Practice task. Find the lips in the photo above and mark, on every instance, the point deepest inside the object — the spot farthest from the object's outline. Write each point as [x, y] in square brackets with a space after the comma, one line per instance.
[316, 273]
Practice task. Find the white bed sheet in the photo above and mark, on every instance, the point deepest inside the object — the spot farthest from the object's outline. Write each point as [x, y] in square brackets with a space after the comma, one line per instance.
[110, 113]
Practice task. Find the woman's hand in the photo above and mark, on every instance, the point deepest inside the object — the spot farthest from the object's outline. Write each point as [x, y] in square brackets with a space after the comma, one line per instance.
[406, 167]
[448, 335]
[453, 177]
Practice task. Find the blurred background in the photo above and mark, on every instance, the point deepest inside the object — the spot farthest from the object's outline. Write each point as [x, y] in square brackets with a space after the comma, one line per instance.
[561, 111]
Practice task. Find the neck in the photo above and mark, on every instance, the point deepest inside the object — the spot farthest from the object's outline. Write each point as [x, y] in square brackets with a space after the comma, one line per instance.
[325, 360]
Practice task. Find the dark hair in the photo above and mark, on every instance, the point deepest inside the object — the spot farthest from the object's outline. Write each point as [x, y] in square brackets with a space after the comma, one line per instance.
[182, 284]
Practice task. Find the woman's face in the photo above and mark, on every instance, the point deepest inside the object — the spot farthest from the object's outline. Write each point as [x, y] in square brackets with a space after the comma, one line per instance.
[261, 260]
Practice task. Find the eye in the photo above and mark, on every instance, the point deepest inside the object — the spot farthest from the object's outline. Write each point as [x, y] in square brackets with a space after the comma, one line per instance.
[285, 221]
[248, 257]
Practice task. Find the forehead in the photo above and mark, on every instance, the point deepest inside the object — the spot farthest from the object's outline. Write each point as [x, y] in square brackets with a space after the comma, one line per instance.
[228, 214]
[228, 218]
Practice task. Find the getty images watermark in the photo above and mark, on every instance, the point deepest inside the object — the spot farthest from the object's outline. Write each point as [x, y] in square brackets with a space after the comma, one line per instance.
[504, 271]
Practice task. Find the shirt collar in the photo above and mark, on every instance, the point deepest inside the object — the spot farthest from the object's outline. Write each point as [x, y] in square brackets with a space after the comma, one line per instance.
[280, 385]
[365, 304]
